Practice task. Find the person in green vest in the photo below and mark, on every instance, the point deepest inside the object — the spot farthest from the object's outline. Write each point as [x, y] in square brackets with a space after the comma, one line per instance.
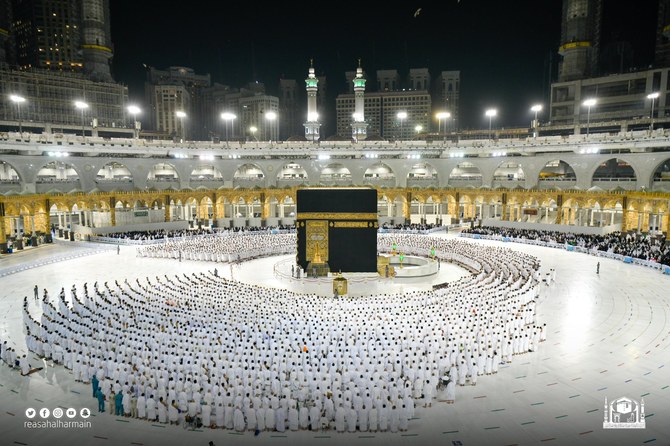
[101, 400]
[119, 403]
[94, 384]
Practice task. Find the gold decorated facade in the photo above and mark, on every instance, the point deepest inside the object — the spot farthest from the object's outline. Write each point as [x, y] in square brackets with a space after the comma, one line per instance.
[638, 208]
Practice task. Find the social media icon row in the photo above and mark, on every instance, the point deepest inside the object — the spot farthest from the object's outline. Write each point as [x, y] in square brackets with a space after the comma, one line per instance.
[58, 412]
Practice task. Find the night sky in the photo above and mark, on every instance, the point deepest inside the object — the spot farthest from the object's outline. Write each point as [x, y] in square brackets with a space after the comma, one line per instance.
[506, 50]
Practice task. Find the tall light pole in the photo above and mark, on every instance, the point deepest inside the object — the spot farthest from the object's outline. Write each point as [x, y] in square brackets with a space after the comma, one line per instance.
[271, 117]
[653, 96]
[135, 110]
[228, 118]
[418, 128]
[440, 117]
[253, 129]
[588, 103]
[181, 115]
[536, 108]
[82, 106]
[491, 113]
[18, 100]
[401, 117]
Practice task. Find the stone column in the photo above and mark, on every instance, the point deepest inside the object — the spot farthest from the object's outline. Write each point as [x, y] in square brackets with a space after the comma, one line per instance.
[3, 235]
[645, 222]
[112, 216]
[665, 225]
[652, 222]
[167, 209]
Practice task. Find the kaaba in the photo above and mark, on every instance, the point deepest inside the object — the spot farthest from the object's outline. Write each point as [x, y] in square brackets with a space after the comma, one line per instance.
[339, 226]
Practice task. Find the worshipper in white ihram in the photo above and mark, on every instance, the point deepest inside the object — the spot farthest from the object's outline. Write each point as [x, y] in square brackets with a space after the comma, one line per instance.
[249, 357]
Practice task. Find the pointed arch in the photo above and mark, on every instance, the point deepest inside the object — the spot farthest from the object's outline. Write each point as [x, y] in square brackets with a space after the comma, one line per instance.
[422, 175]
[57, 175]
[380, 175]
[292, 174]
[557, 174]
[614, 173]
[509, 175]
[163, 176]
[248, 176]
[465, 174]
[335, 174]
[660, 179]
[206, 174]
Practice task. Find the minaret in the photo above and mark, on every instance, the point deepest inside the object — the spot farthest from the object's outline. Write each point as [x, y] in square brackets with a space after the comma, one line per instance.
[96, 39]
[5, 21]
[312, 125]
[662, 58]
[580, 39]
[359, 128]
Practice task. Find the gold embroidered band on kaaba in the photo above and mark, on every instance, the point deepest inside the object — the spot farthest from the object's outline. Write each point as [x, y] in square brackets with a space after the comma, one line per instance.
[351, 224]
[336, 216]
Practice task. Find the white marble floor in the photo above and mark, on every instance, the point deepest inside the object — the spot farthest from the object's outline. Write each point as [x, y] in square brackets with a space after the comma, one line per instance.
[609, 336]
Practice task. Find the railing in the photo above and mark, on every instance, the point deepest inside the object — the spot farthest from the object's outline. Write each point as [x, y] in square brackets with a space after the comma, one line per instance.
[381, 182]
[283, 182]
[412, 231]
[248, 183]
[32, 142]
[508, 184]
[207, 180]
[113, 180]
[42, 180]
[330, 181]
[614, 179]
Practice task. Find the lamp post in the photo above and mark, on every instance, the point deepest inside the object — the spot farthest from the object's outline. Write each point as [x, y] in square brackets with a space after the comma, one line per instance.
[81, 106]
[18, 100]
[653, 96]
[440, 117]
[272, 118]
[181, 115]
[418, 129]
[228, 118]
[253, 131]
[135, 110]
[491, 113]
[536, 108]
[588, 103]
[401, 117]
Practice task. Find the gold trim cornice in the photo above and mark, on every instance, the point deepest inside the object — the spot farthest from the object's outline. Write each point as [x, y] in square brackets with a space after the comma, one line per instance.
[337, 216]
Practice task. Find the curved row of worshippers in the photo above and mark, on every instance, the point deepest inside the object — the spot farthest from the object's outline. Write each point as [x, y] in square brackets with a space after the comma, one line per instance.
[241, 356]
[639, 246]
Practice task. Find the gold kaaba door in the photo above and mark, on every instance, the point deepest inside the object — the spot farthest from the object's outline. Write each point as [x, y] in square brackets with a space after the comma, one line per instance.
[317, 236]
